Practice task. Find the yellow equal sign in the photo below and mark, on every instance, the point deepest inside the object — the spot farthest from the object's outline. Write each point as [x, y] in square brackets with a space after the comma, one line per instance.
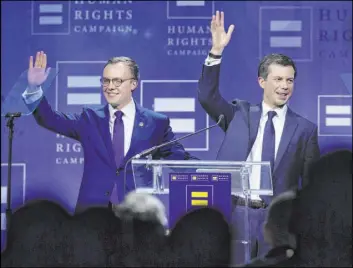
[173, 178]
[199, 202]
[195, 202]
[199, 194]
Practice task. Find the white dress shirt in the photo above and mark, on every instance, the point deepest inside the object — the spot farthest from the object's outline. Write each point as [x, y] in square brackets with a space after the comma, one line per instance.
[129, 112]
[256, 150]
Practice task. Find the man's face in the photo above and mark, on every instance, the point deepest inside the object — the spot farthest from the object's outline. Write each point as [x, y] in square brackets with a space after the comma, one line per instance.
[118, 84]
[278, 86]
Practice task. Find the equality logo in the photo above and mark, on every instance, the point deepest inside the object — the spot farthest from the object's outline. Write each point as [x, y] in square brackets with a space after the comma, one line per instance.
[335, 115]
[176, 99]
[75, 88]
[288, 30]
[51, 18]
[190, 9]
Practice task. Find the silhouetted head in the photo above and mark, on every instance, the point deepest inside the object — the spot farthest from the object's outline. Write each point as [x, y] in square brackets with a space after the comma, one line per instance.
[36, 236]
[322, 213]
[143, 219]
[202, 237]
[276, 226]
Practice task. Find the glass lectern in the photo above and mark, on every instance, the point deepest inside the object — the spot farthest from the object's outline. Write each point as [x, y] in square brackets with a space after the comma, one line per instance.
[183, 185]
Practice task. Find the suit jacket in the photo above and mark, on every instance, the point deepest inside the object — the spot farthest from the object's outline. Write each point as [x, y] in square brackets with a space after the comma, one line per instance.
[299, 142]
[91, 128]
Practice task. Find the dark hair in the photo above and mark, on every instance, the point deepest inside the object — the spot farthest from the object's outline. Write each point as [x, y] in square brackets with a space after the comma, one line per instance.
[278, 219]
[322, 213]
[134, 68]
[278, 59]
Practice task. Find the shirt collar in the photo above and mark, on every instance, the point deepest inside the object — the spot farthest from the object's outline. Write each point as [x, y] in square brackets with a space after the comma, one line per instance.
[281, 112]
[128, 110]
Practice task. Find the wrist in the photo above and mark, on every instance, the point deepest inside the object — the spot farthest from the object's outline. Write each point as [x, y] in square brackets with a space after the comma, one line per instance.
[213, 56]
[216, 52]
[33, 87]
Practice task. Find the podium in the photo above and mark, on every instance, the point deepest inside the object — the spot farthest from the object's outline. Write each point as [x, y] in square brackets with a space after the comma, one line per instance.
[184, 185]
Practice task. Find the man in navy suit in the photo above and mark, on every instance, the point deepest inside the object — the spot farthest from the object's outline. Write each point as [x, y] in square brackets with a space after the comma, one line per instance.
[288, 141]
[110, 135]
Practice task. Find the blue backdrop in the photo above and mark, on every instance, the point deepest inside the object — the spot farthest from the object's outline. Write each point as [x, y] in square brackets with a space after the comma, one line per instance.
[169, 41]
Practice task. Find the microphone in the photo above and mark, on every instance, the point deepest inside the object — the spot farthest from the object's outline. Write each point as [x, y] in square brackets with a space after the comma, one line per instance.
[151, 150]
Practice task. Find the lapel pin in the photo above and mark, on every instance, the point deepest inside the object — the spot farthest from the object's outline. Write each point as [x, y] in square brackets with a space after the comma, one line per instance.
[141, 124]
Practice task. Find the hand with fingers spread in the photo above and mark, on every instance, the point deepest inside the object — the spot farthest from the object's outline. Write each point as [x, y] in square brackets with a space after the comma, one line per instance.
[37, 72]
[220, 38]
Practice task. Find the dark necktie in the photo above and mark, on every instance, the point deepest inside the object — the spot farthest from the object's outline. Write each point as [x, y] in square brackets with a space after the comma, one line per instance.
[118, 148]
[268, 149]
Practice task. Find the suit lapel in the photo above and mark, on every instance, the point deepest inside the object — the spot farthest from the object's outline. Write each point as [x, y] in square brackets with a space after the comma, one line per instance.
[290, 125]
[254, 120]
[103, 124]
[139, 127]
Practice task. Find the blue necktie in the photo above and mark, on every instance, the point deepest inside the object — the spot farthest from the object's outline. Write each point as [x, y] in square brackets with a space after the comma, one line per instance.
[118, 148]
[268, 149]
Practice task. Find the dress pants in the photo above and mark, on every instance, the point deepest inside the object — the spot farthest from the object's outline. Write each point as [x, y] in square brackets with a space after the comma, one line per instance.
[258, 247]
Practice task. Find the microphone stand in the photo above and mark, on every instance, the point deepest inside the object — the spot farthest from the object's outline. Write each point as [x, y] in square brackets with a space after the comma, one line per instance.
[155, 148]
[10, 124]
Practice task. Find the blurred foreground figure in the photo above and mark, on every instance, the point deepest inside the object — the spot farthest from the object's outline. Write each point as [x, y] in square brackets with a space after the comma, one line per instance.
[322, 214]
[143, 230]
[320, 219]
[38, 237]
[95, 233]
[201, 238]
[42, 234]
[276, 232]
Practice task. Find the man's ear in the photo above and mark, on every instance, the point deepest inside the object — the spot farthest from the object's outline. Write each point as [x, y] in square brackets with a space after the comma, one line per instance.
[134, 85]
[261, 82]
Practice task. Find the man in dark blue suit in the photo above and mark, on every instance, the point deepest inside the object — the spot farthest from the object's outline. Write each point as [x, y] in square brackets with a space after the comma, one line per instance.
[288, 141]
[109, 135]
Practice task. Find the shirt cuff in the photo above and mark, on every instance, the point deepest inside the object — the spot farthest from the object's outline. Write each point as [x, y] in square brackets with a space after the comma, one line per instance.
[211, 61]
[31, 97]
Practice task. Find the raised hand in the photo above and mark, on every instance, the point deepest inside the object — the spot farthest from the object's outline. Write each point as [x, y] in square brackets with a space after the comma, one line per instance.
[37, 72]
[220, 38]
